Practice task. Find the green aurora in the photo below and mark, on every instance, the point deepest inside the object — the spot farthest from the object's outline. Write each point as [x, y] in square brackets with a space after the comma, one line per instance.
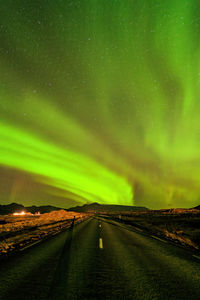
[100, 101]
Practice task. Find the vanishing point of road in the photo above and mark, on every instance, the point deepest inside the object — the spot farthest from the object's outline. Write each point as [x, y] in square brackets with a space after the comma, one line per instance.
[101, 259]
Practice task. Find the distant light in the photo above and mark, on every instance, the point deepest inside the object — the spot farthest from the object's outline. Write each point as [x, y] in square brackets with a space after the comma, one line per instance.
[22, 213]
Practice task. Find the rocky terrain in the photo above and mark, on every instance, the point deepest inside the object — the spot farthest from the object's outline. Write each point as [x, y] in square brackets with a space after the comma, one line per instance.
[181, 226]
[17, 232]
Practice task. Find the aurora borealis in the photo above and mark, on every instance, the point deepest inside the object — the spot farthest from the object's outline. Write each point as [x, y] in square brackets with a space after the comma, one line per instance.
[100, 102]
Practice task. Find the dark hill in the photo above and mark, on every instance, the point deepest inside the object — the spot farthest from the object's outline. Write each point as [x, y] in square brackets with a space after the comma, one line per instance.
[42, 209]
[106, 207]
[197, 207]
[10, 208]
[14, 207]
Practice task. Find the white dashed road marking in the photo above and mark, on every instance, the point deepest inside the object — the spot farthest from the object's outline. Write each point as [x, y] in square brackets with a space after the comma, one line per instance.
[100, 243]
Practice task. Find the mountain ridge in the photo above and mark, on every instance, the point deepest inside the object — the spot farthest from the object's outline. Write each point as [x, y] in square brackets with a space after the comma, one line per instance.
[196, 207]
[15, 207]
[106, 207]
[93, 207]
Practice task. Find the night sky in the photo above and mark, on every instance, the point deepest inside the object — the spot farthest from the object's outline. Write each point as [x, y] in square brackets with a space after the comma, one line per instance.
[100, 102]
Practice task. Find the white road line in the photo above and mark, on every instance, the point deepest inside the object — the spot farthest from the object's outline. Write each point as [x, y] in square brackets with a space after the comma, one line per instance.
[138, 229]
[30, 245]
[99, 225]
[100, 243]
[196, 256]
[155, 237]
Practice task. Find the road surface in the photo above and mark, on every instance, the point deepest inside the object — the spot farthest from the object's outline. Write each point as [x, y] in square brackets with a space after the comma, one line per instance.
[101, 259]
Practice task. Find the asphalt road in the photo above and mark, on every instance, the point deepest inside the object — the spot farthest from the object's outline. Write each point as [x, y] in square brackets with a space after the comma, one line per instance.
[101, 259]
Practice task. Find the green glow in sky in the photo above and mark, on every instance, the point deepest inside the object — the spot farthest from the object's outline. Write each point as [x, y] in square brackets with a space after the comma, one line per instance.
[99, 101]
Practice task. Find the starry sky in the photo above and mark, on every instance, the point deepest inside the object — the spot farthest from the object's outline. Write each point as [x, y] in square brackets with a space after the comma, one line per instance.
[100, 102]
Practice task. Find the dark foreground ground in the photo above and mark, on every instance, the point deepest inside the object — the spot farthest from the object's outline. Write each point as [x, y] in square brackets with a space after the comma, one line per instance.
[101, 259]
